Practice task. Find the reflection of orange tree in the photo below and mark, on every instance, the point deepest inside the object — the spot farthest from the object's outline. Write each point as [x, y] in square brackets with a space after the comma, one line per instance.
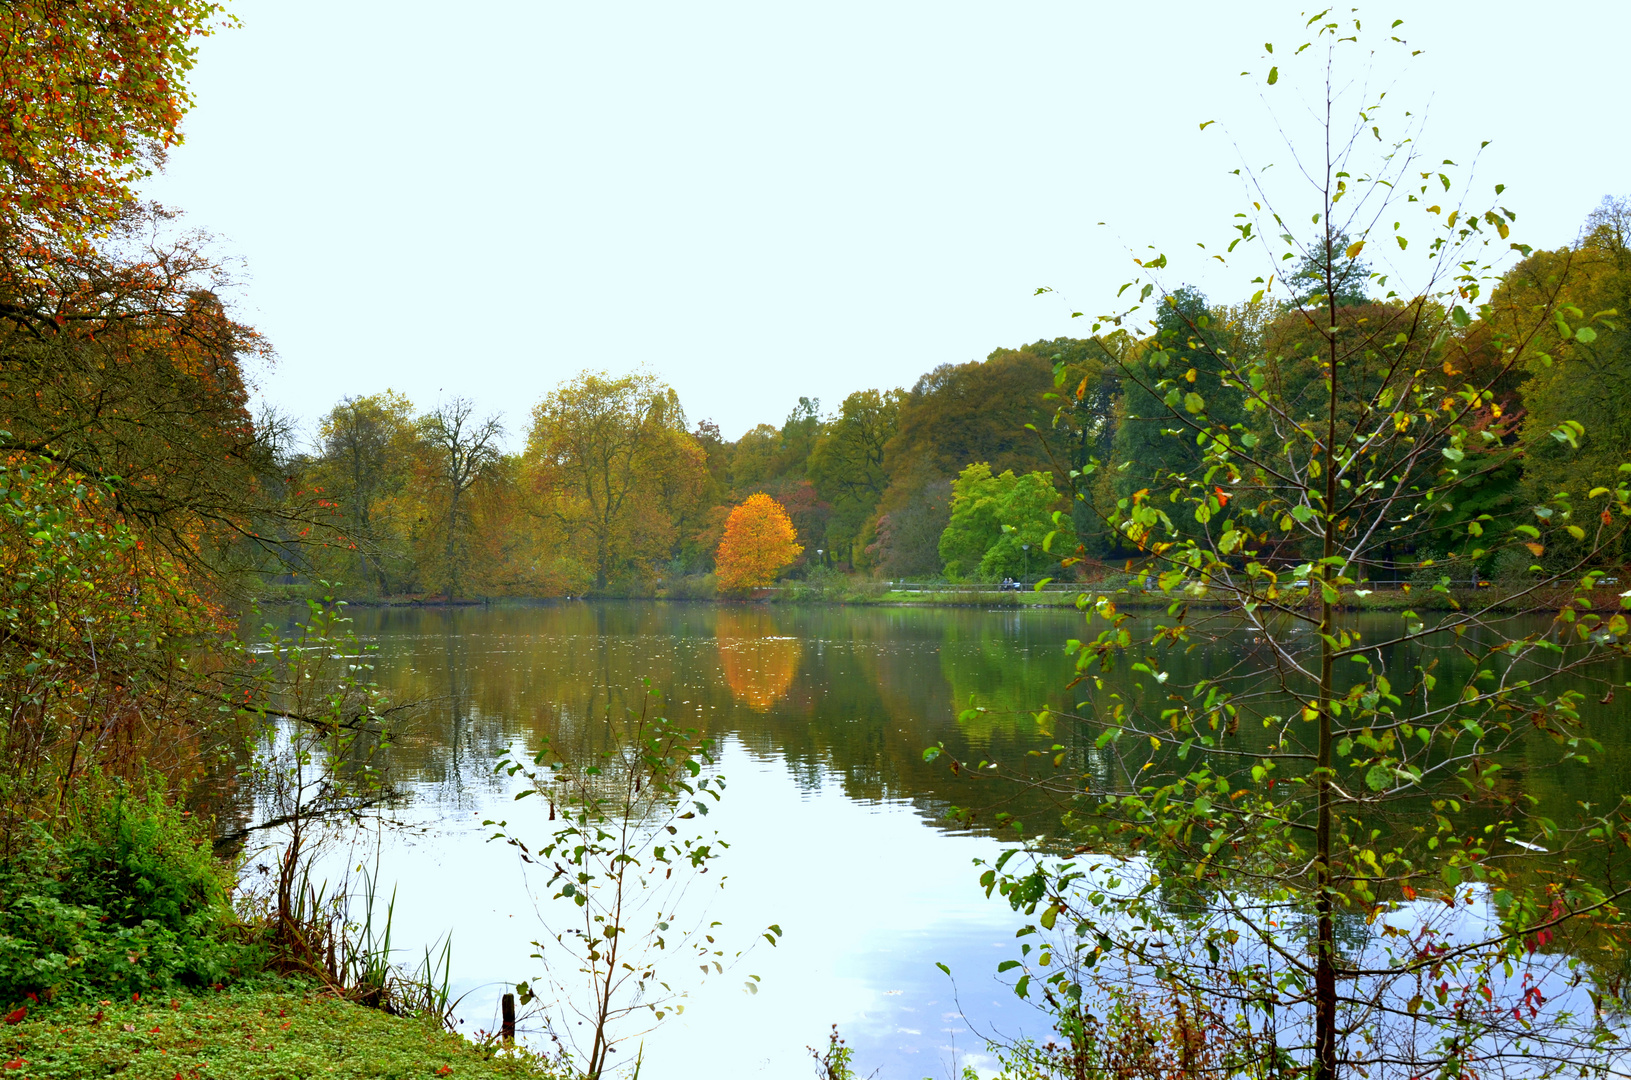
[759, 665]
[759, 541]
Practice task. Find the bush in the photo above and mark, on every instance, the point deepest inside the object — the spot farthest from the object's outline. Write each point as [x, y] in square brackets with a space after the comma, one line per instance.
[122, 895]
[693, 587]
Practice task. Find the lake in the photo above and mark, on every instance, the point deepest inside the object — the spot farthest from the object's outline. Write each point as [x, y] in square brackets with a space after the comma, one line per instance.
[837, 826]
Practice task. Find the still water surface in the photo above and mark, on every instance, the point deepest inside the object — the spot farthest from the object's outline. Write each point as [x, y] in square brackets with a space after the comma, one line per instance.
[837, 826]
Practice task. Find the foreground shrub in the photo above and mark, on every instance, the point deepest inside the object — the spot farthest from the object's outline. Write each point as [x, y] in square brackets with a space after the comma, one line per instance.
[121, 894]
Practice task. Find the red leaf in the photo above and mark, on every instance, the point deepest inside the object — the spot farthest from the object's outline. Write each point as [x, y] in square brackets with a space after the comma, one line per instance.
[17, 1015]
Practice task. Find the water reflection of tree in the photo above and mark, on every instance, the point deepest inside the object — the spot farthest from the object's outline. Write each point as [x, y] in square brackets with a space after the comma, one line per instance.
[759, 663]
[865, 691]
[995, 686]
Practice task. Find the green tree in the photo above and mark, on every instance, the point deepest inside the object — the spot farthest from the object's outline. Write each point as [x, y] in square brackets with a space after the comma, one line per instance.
[1004, 526]
[799, 433]
[753, 457]
[1580, 371]
[1348, 280]
[846, 463]
[1181, 363]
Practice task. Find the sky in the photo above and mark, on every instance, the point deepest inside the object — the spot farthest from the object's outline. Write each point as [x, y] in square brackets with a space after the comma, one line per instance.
[763, 201]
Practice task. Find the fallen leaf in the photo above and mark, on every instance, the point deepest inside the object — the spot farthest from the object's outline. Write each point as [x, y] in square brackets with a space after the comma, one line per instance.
[17, 1015]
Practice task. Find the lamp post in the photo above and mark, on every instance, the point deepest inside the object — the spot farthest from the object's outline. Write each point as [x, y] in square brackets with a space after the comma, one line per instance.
[819, 560]
[1026, 548]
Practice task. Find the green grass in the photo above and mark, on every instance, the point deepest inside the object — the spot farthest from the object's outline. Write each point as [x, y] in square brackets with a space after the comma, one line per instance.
[240, 1035]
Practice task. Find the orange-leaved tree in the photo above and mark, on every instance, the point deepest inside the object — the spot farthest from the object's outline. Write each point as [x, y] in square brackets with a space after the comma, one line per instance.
[94, 94]
[759, 541]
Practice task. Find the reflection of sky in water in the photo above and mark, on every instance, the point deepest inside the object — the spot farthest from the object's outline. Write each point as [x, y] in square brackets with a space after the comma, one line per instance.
[869, 900]
[833, 817]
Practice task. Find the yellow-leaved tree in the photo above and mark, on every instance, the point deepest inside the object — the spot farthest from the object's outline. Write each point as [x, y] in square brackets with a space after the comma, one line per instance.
[759, 542]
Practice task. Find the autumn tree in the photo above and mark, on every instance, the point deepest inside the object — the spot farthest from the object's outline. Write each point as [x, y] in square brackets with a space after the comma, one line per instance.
[614, 464]
[961, 413]
[759, 543]
[905, 539]
[367, 447]
[459, 451]
[118, 361]
[93, 95]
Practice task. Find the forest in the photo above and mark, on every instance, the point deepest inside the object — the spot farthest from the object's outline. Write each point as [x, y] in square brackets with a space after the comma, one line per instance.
[957, 477]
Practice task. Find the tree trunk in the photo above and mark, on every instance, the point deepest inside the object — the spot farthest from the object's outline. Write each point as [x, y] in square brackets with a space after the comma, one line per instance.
[1325, 982]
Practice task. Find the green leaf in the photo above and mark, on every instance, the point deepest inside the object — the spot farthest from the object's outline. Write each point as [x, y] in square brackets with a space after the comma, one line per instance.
[1194, 402]
[1274, 75]
[1378, 777]
[1585, 335]
[1050, 916]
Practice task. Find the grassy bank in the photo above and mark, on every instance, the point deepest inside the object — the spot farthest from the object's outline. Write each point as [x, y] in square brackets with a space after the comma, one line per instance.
[243, 1035]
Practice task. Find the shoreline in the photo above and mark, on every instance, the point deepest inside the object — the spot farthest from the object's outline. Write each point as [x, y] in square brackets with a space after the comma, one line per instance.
[1053, 600]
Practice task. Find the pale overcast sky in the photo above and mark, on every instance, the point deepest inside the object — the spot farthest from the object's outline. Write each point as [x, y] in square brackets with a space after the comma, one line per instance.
[763, 200]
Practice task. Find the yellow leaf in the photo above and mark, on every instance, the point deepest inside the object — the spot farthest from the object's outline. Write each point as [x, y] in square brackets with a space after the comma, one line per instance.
[1355, 249]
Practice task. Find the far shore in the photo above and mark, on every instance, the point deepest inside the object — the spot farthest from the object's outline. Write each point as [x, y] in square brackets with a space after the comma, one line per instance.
[1054, 596]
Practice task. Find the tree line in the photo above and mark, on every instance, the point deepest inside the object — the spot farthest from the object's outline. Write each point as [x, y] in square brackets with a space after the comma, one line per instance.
[965, 475]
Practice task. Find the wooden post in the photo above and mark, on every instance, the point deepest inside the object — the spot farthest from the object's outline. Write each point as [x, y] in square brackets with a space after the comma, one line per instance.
[507, 1030]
